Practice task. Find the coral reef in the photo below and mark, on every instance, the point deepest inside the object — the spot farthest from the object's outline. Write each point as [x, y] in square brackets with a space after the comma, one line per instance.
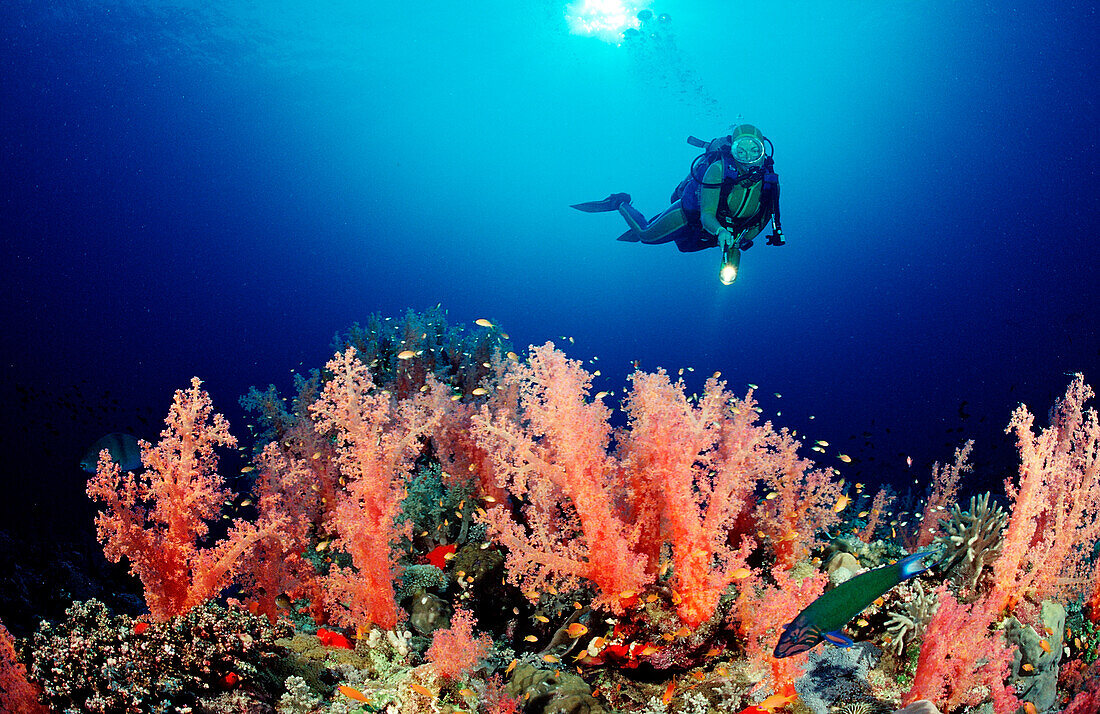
[436, 523]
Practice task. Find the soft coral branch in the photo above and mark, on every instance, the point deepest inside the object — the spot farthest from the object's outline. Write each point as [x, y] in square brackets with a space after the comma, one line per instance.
[158, 519]
[692, 469]
[377, 438]
[551, 452]
[1055, 516]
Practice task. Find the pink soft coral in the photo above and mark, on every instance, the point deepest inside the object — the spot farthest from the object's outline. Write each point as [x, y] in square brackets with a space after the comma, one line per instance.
[377, 438]
[682, 474]
[962, 661]
[1055, 516]
[550, 450]
[157, 519]
[692, 470]
[455, 651]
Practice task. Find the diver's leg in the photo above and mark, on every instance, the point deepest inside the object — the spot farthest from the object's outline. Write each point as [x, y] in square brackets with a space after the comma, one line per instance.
[661, 230]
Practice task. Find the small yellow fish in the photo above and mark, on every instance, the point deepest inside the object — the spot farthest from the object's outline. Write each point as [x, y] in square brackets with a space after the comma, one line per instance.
[512, 356]
[420, 689]
[772, 495]
[479, 392]
[406, 354]
[842, 503]
[482, 322]
[531, 638]
[741, 573]
[246, 469]
[550, 658]
[576, 630]
[542, 618]
[601, 395]
[845, 458]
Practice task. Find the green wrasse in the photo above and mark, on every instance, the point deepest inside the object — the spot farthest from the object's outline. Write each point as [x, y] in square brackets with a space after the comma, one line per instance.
[824, 617]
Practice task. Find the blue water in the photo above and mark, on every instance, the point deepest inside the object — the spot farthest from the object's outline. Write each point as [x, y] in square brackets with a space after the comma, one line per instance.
[216, 188]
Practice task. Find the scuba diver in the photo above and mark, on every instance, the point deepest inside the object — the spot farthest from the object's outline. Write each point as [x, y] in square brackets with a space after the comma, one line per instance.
[727, 199]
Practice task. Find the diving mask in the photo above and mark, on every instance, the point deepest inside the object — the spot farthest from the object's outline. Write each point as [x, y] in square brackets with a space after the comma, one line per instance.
[748, 150]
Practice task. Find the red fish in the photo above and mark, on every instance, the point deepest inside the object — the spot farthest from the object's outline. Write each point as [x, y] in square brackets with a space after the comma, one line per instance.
[332, 639]
[438, 555]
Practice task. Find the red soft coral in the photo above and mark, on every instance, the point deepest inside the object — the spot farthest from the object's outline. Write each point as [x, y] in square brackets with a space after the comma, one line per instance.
[763, 608]
[16, 693]
[682, 474]
[158, 518]
[801, 500]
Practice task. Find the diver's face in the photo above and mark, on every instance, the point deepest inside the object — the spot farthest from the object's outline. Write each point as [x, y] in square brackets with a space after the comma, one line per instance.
[748, 150]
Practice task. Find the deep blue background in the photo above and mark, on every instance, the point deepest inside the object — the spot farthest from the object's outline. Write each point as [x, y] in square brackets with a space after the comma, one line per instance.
[216, 188]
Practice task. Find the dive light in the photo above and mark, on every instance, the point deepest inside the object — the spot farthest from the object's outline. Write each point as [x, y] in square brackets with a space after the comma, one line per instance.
[731, 261]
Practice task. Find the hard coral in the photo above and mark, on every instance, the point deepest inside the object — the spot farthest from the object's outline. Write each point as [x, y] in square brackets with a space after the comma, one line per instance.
[99, 663]
[971, 539]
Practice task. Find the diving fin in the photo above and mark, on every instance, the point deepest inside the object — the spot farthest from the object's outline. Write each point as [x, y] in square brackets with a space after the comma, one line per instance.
[611, 203]
[629, 237]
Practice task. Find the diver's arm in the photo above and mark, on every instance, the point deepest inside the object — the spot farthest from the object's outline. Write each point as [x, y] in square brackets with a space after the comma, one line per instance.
[709, 196]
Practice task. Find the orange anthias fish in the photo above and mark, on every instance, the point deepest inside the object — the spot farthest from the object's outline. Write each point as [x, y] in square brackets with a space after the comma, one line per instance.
[780, 699]
[353, 693]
